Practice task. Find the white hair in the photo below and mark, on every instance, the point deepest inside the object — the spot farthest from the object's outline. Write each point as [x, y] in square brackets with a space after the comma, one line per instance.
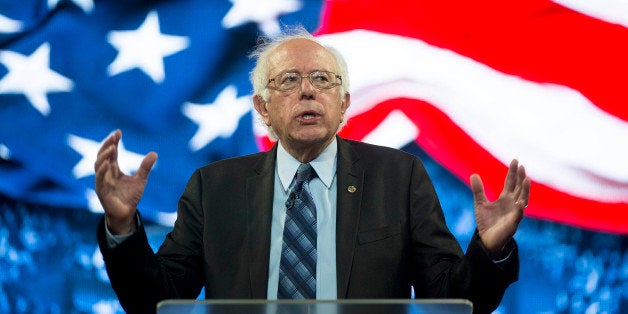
[260, 73]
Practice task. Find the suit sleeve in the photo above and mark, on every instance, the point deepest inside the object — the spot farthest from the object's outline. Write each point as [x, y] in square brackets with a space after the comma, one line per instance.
[441, 270]
[142, 278]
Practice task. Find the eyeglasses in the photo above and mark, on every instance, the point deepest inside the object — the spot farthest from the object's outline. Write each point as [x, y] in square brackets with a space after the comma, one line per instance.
[289, 81]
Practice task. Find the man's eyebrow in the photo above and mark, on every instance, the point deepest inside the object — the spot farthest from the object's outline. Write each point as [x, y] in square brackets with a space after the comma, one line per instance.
[299, 72]
[289, 71]
[286, 71]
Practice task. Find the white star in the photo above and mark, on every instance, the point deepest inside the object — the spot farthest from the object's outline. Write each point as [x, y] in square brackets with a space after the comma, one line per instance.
[32, 76]
[128, 161]
[144, 48]
[262, 12]
[86, 5]
[5, 152]
[8, 25]
[216, 119]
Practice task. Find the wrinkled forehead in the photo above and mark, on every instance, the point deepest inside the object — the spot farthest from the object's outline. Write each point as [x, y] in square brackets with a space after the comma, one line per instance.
[300, 55]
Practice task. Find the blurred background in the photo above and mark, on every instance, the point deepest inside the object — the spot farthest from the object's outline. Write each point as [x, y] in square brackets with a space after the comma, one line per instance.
[465, 86]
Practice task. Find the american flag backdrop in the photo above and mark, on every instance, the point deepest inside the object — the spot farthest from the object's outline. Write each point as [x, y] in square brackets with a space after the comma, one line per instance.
[483, 82]
[477, 83]
[473, 84]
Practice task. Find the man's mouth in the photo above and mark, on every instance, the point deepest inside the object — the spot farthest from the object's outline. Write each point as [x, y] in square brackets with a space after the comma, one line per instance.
[308, 116]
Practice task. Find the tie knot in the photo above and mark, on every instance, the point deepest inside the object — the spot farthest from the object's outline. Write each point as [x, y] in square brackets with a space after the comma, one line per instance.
[305, 173]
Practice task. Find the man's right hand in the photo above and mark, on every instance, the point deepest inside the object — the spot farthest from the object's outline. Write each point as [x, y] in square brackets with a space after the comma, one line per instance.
[119, 193]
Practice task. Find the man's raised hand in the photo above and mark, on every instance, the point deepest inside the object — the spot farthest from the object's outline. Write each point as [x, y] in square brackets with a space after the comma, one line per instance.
[498, 221]
[120, 193]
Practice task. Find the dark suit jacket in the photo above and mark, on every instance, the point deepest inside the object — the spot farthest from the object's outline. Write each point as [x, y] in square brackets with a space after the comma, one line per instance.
[390, 235]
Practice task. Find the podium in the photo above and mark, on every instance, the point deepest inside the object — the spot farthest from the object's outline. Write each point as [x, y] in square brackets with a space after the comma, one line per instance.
[371, 306]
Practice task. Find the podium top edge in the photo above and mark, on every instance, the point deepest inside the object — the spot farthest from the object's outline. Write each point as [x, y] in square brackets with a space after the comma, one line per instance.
[305, 302]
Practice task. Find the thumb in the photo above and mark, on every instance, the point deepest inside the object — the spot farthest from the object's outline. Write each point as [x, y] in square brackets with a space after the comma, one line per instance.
[477, 188]
[147, 165]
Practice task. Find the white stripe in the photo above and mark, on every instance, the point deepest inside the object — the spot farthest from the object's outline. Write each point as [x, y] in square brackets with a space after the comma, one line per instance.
[8, 26]
[166, 219]
[611, 11]
[560, 136]
[396, 130]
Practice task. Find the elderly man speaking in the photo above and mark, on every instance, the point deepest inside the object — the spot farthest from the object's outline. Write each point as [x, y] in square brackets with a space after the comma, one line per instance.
[315, 217]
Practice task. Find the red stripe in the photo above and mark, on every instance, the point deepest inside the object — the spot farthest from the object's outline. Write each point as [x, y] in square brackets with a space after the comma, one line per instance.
[538, 40]
[452, 147]
[535, 39]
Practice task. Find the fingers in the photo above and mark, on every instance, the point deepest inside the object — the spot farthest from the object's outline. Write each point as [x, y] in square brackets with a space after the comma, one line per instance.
[479, 197]
[103, 174]
[516, 185]
[511, 177]
[108, 150]
[107, 160]
[113, 139]
[520, 185]
[147, 165]
[521, 174]
[524, 196]
[105, 156]
[106, 165]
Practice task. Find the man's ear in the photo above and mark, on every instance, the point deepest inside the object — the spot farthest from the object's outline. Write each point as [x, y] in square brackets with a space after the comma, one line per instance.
[346, 102]
[260, 106]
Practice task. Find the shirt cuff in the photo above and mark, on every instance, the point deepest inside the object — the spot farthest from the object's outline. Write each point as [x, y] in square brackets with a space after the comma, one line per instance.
[503, 259]
[114, 240]
[510, 250]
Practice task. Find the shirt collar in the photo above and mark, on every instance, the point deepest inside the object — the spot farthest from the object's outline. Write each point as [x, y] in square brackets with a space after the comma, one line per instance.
[324, 165]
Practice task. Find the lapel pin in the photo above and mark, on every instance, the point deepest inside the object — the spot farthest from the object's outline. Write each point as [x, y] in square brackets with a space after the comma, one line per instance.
[351, 189]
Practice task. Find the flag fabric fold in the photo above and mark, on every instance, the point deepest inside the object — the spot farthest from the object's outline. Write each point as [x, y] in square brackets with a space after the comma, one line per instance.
[474, 84]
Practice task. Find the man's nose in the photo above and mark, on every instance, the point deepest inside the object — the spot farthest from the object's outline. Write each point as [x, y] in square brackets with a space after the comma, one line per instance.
[307, 89]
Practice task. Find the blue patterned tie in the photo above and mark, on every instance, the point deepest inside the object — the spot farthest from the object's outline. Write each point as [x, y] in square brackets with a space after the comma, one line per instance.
[297, 269]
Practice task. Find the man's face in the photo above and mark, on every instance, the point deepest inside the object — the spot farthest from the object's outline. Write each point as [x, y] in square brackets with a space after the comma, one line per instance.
[306, 116]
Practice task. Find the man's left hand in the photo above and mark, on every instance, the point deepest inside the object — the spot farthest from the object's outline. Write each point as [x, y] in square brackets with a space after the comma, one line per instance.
[497, 221]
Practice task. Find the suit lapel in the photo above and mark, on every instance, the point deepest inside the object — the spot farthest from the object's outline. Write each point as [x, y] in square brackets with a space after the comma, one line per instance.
[259, 193]
[349, 197]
